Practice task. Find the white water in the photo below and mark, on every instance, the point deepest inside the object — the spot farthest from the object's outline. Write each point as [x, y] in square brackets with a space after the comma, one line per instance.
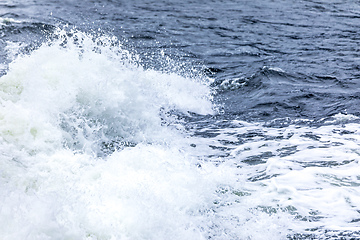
[60, 106]
[311, 173]
[70, 108]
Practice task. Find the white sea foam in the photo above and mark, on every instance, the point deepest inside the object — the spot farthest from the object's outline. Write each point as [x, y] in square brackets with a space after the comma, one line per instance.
[310, 173]
[60, 107]
[66, 103]
[94, 91]
[8, 20]
[68, 107]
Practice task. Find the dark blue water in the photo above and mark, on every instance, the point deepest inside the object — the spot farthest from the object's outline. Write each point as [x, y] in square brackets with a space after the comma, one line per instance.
[280, 65]
[313, 43]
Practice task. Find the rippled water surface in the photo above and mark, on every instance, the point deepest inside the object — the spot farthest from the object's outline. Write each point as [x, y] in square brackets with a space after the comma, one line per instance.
[179, 119]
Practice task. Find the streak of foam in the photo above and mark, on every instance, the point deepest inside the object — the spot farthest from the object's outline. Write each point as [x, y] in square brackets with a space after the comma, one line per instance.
[310, 173]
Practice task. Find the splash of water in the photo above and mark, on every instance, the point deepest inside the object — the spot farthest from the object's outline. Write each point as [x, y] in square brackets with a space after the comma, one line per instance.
[85, 92]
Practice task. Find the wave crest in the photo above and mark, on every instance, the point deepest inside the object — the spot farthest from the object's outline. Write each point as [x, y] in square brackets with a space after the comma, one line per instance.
[92, 91]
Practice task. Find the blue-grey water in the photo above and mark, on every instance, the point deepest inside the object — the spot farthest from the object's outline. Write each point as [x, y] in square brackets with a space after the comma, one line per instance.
[179, 119]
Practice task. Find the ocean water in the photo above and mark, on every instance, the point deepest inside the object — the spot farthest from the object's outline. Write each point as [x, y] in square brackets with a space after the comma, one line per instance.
[153, 120]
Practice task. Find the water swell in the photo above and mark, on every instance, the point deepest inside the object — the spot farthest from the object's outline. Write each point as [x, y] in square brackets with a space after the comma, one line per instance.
[272, 93]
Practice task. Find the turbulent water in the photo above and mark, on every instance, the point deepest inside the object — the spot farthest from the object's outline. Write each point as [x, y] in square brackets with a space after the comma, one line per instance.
[179, 119]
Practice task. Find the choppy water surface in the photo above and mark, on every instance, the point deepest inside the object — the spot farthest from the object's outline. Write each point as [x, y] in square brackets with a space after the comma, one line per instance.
[179, 119]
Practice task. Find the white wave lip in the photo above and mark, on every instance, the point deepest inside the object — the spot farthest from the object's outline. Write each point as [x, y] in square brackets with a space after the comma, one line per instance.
[92, 89]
